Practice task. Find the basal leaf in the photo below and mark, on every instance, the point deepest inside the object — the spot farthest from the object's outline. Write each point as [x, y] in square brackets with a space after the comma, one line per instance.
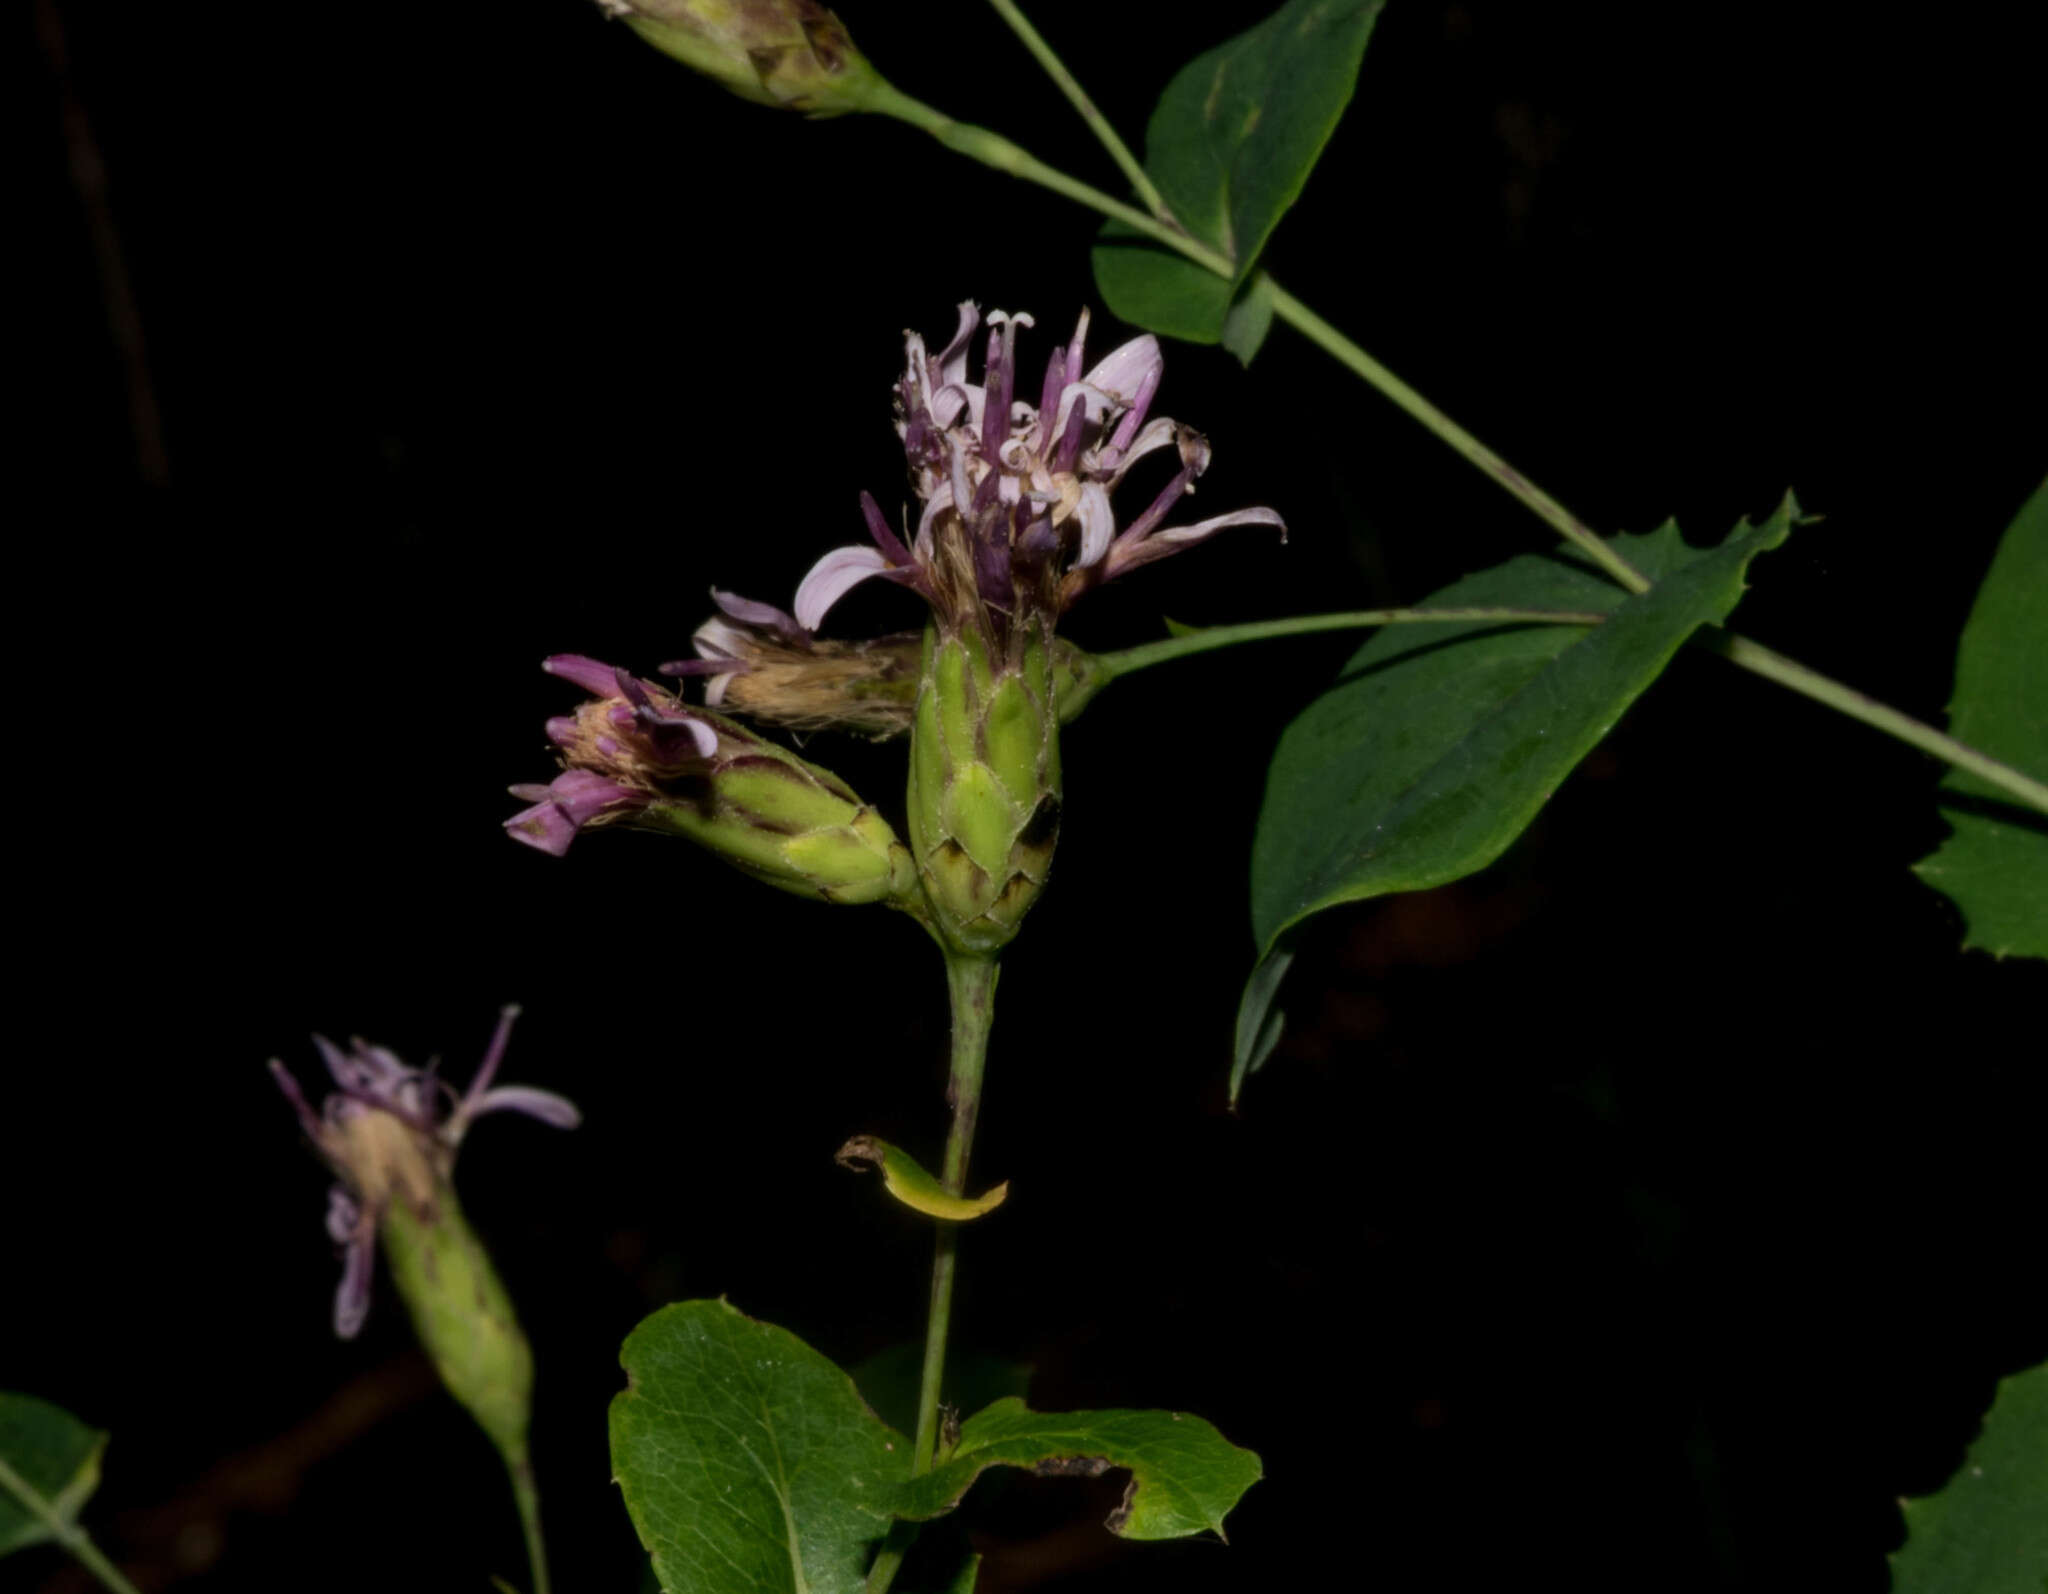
[747, 1460]
[51, 1456]
[1185, 1476]
[1229, 146]
[1994, 866]
[1986, 1530]
[1438, 744]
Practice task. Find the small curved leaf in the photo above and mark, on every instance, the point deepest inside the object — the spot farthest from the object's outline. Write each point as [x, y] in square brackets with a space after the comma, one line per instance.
[1229, 146]
[1994, 865]
[1185, 1476]
[1986, 1530]
[906, 1179]
[1438, 745]
[748, 1461]
[50, 1454]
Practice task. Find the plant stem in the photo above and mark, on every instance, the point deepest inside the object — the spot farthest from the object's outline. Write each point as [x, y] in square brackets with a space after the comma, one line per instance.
[1098, 124]
[1547, 509]
[1757, 658]
[67, 1533]
[971, 985]
[526, 1493]
[1144, 656]
[992, 149]
[1752, 656]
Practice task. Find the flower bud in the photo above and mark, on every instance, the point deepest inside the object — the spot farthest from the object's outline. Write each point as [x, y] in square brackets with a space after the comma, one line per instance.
[984, 779]
[641, 757]
[791, 53]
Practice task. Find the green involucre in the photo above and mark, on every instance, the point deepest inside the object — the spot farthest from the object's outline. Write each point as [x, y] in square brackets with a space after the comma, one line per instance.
[984, 783]
[463, 1317]
[793, 825]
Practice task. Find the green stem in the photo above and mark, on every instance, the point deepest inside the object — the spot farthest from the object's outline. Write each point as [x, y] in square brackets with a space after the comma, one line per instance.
[526, 1493]
[992, 149]
[971, 984]
[1148, 654]
[1752, 656]
[999, 152]
[1285, 305]
[1760, 660]
[1098, 124]
[67, 1533]
[1547, 509]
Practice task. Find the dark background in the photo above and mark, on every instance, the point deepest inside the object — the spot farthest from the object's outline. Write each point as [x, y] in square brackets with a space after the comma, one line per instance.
[1655, 1207]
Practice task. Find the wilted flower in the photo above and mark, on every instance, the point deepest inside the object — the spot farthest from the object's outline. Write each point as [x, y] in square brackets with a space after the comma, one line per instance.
[637, 755]
[390, 1134]
[764, 665]
[761, 663]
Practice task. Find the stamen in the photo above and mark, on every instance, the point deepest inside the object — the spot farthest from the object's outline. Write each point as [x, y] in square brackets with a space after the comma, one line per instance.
[494, 1054]
[879, 529]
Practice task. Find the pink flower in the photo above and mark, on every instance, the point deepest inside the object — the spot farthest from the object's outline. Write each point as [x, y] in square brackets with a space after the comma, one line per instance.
[1014, 499]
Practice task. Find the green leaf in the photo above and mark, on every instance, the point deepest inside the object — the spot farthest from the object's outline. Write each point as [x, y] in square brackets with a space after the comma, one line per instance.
[889, 1379]
[1229, 146]
[1438, 745]
[747, 1460]
[1250, 319]
[1185, 1476]
[48, 1455]
[750, 1462]
[1986, 1530]
[1994, 866]
[1158, 290]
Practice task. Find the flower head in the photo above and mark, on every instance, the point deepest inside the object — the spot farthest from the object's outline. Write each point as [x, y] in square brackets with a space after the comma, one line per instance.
[1014, 516]
[792, 53]
[635, 754]
[390, 1134]
[621, 749]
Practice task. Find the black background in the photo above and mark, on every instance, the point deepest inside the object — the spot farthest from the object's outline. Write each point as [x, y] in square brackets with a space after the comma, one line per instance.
[1653, 1208]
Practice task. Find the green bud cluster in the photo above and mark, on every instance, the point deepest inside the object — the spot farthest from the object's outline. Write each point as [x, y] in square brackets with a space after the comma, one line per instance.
[462, 1315]
[787, 822]
[984, 779]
